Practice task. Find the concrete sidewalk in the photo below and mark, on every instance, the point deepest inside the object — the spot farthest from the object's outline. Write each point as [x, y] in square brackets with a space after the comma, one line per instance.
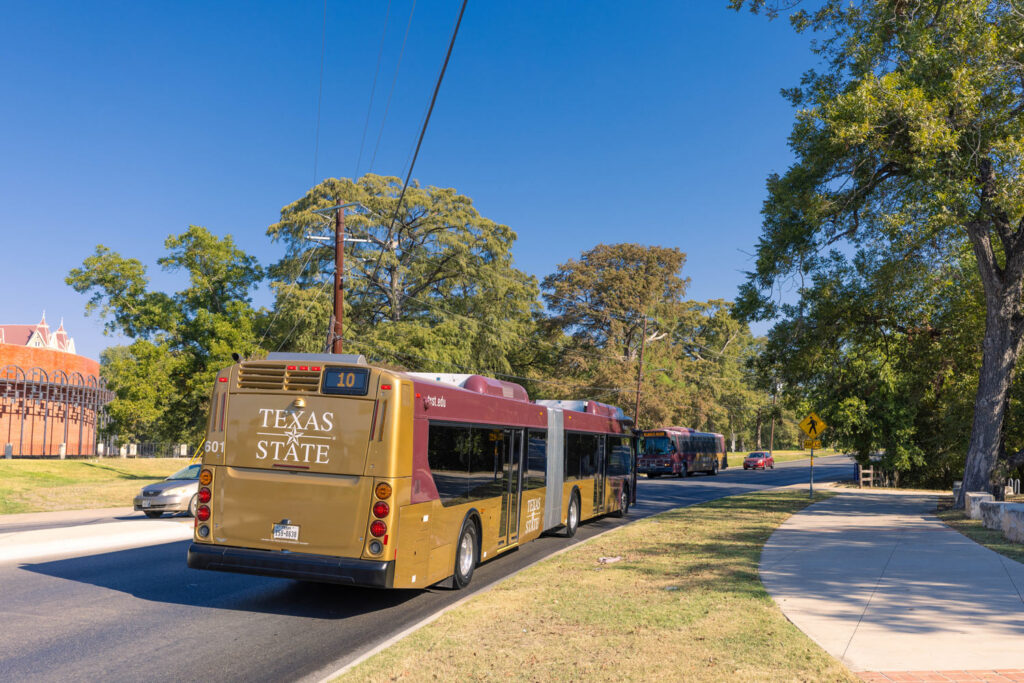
[883, 585]
[48, 535]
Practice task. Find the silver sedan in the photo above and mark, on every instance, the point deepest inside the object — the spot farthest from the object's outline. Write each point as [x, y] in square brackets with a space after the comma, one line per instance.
[177, 493]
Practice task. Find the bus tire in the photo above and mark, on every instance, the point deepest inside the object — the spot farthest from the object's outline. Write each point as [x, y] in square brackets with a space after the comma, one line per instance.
[572, 515]
[623, 503]
[683, 472]
[466, 551]
[714, 469]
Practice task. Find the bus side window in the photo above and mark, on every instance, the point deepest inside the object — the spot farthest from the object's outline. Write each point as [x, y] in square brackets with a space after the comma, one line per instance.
[619, 455]
[536, 460]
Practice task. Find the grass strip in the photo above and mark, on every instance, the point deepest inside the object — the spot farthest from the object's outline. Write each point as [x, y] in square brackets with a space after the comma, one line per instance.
[50, 485]
[736, 458]
[973, 529]
[684, 602]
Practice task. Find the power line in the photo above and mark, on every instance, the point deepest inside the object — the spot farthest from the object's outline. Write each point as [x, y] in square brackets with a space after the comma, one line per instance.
[303, 316]
[430, 110]
[373, 88]
[279, 305]
[391, 91]
[320, 95]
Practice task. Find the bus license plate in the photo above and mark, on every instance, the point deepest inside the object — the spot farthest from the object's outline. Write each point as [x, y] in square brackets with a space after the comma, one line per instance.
[286, 532]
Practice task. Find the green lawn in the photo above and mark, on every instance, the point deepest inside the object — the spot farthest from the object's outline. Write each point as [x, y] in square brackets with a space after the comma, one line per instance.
[683, 602]
[736, 459]
[48, 485]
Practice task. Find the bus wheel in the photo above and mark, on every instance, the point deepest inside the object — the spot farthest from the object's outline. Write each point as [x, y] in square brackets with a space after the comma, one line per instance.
[623, 503]
[714, 469]
[465, 555]
[683, 473]
[572, 517]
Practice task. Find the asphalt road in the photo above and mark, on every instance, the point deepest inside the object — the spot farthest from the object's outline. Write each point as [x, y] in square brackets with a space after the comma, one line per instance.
[142, 614]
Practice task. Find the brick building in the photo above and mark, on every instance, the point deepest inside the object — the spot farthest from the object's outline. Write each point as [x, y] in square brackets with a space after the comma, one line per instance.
[49, 395]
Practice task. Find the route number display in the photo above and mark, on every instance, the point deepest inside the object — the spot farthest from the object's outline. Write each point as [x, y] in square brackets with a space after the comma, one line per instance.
[347, 381]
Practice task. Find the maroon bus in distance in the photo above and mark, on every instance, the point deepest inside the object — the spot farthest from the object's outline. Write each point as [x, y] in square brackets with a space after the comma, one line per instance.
[680, 451]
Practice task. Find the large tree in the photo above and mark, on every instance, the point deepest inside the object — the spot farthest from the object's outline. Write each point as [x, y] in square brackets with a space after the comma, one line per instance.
[181, 339]
[432, 286]
[909, 142]
[602, 308]
[616, 298]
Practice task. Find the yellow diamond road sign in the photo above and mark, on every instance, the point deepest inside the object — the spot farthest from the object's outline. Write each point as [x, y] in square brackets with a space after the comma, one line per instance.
[813, 426]
[812, 443]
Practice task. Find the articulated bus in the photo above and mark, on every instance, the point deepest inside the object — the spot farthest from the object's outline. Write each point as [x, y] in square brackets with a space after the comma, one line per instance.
[680, 451]
[320, 467]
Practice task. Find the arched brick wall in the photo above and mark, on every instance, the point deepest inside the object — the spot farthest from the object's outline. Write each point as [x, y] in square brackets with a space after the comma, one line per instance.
[39, 427]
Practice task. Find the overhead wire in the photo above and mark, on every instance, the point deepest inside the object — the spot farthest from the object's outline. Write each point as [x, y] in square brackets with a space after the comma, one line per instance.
[303, 316]
[373, 88]
[391, 91]
[320, 95]
[430, 110]
[277, 308]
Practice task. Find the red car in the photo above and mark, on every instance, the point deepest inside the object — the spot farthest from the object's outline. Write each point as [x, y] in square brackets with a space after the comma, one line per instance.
[759, 460]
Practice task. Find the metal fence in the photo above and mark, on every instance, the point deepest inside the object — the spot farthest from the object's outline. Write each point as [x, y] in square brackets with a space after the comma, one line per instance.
[46, 413]
[115, 448]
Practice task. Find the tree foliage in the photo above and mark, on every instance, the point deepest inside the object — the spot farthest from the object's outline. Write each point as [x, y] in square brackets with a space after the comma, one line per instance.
[908, 143]
[438, 292]
[162, 380]
[616, 298]
[435, 287]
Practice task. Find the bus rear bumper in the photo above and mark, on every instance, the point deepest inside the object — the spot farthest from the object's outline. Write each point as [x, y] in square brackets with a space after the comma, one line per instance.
[321, 568]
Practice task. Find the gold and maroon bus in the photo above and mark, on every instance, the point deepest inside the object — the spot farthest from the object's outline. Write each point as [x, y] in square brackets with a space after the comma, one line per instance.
[680, 451]
[321, 467]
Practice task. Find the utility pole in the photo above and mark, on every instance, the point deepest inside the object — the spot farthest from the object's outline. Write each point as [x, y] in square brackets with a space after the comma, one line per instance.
[339, 279]
[771, 439]
[640, 376]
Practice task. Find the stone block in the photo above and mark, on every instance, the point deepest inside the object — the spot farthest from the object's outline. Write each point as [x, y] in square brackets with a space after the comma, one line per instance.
[1013, 522]
[971, 500]
[992, 514]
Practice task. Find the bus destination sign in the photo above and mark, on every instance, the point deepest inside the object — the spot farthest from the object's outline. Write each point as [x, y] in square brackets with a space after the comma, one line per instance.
[347, 381]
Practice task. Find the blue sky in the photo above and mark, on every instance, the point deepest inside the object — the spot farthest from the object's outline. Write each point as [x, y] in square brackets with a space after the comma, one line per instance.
[572, 122]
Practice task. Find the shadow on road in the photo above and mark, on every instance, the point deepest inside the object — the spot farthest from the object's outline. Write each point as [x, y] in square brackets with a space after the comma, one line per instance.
[163, 577]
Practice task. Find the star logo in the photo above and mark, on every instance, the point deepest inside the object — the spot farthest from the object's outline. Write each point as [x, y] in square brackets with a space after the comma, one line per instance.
[293, 435]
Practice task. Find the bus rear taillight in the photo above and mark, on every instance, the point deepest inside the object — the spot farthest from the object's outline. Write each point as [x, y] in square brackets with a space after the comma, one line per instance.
[205, 477]
[378, 528]
[205, 495]
[203, 513]
[383, 490]
[381, 510]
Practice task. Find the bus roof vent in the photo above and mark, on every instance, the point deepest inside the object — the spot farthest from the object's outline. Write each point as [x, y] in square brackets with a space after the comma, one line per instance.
[348, 358]
[570, 404]
[476, 383]
[591, 407]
